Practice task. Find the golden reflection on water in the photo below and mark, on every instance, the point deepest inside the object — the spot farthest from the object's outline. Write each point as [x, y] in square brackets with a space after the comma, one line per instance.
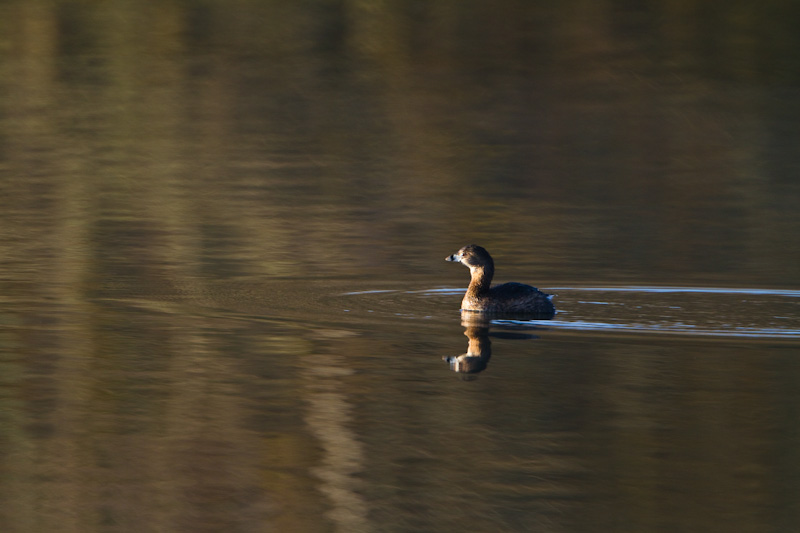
[329, 418]
[187, 191]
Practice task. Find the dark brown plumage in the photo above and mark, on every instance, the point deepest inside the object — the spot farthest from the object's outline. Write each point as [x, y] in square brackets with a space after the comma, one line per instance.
[508, 298]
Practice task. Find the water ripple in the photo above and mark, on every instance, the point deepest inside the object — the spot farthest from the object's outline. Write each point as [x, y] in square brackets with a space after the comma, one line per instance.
[702, 290]
[697, 311]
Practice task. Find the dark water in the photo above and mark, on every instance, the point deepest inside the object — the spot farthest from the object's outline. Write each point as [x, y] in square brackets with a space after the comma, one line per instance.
[224, 304]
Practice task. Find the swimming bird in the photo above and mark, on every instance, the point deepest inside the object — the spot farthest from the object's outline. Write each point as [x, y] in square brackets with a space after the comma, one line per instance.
[508, 298]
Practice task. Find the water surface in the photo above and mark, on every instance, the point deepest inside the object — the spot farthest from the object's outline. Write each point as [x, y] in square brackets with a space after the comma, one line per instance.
[224, 304]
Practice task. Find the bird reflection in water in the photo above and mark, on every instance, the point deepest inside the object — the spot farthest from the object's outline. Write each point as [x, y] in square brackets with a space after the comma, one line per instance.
[477, 328]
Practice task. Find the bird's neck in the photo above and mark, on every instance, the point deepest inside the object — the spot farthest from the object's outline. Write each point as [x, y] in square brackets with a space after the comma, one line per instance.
[481, 280]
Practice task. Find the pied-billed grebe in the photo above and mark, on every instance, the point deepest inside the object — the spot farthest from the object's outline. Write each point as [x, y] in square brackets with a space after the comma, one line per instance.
[512, 298]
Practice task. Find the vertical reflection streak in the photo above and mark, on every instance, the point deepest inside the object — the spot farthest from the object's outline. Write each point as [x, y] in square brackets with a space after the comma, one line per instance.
[328, 417]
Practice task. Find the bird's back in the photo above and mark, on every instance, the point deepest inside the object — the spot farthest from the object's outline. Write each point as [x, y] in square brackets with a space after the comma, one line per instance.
[518, 298]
